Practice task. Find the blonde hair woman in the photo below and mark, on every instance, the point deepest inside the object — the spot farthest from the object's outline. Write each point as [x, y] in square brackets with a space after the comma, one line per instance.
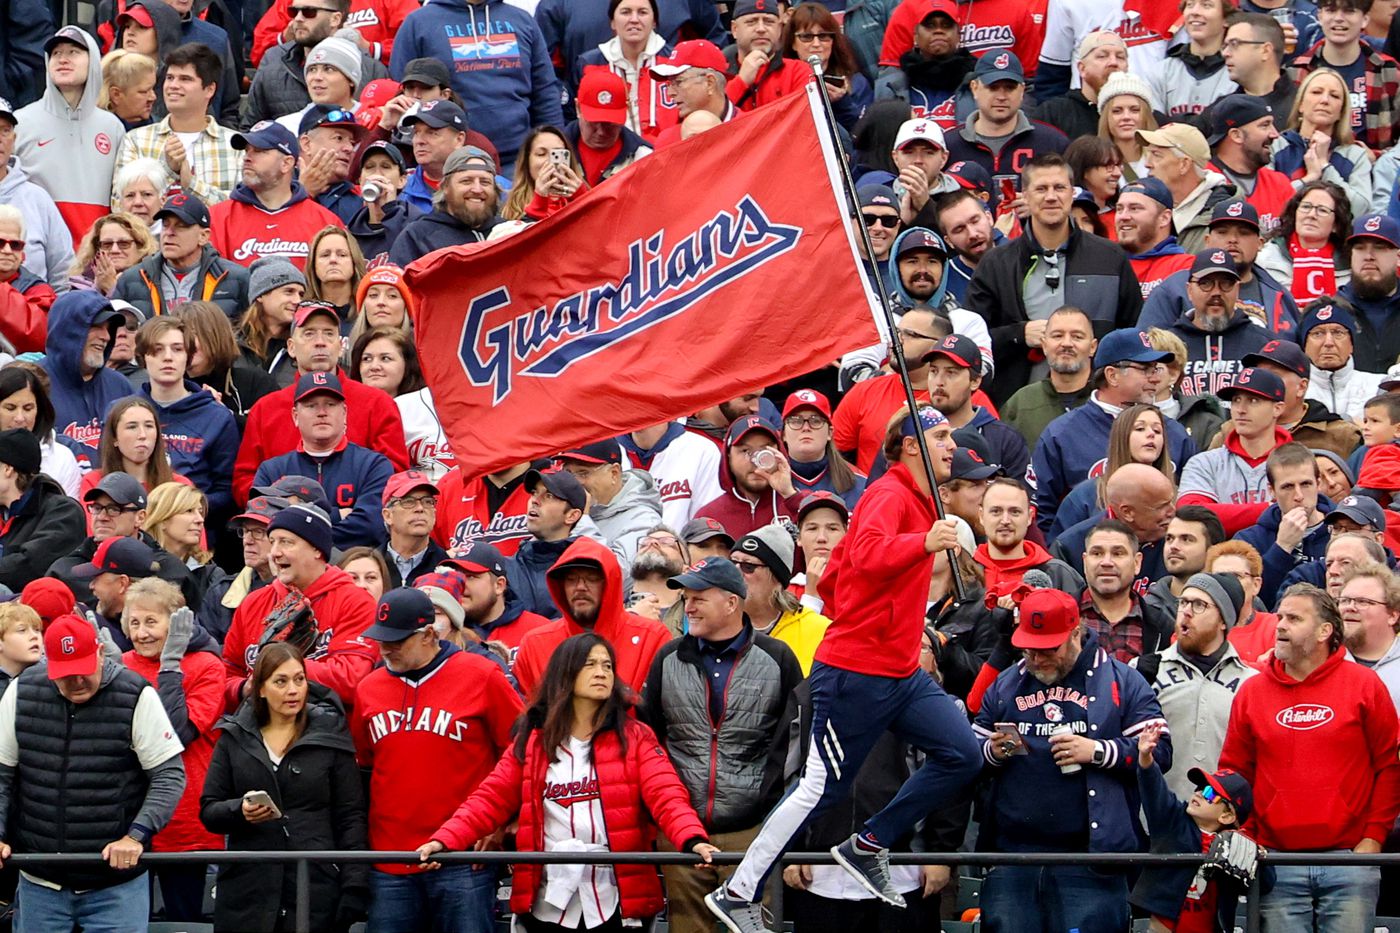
[128, 87]
[1125, 106]
[175, 514]
[112, 245]
[1317, 144]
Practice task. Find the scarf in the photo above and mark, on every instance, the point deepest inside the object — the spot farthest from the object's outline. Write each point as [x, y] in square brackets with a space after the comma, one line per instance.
[945, 73]
[1314, 272]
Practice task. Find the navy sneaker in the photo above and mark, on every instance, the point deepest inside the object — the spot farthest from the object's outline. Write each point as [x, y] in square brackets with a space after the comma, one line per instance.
[871, 869]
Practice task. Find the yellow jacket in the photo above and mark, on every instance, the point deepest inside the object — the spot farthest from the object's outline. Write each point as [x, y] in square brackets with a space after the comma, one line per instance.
[801, 631]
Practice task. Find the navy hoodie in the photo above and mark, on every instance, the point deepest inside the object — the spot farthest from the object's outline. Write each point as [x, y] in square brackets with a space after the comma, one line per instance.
[201, 437]
[525, 573]
[499, 61]
[376, 241]
[80, 404]
[1168, 301]
[353, 478]
[427, 232]
[1277, 562]
[1007, 445]
[1213, 358]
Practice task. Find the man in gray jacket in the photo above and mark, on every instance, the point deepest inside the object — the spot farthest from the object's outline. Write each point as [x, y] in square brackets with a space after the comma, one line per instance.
[1370, 607]
[721, 700]
[623, 503]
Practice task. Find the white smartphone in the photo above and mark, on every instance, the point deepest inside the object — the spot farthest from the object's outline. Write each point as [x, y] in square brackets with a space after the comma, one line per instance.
[1014, 736]
[261, 798]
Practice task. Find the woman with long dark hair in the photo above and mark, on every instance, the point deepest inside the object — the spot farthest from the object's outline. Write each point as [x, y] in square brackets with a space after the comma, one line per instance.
[812, 30]
[216, 364]
[542, 185]
[133, 443]
[1309, 255]
[384, 357]
[24, 403]
[577, 732]
[1138, 435]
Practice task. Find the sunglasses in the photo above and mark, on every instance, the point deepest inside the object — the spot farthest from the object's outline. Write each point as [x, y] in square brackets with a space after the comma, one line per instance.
[884, 220]
[16, 245]
[747, 568]
[1211, 795]
[308, 12]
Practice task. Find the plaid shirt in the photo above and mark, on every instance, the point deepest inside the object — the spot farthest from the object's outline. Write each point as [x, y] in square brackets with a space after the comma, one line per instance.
[216, 165]
[1123, 639]
[1382, 91]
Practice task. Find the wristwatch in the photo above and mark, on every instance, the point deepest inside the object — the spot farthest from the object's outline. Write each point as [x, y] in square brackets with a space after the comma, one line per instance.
[1100, 753]
[140, 834]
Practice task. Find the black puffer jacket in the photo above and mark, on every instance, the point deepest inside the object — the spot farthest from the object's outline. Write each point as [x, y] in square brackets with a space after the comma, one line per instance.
[47, 522]
[317, 787]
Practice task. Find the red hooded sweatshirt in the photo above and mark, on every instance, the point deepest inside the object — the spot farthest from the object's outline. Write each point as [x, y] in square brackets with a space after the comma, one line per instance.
[634, 640]
[1281, 729]
[340, 658]
[1001, 574]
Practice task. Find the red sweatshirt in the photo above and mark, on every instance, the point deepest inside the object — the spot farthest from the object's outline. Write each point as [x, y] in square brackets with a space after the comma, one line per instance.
[464, 515]
[1152, 270]
[876, 586]
[999, 573]
[1281, 729]
[24, 312]
[429, 738]
[339, 659]
[372, 420]
[770, 85]
[1018, 25]
[244, 232]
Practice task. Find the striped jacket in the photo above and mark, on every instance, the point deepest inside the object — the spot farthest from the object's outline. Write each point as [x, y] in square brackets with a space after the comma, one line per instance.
[216, 165]
[1382, 91]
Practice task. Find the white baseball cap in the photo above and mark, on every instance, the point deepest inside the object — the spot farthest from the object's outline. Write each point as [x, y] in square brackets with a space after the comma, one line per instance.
[921, 129]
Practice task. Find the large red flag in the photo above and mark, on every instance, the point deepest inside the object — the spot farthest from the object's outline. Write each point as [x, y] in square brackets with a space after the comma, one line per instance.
[707, 269]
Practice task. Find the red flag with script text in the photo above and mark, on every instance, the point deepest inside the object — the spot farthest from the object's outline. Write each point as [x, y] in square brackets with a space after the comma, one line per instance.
[707, 269]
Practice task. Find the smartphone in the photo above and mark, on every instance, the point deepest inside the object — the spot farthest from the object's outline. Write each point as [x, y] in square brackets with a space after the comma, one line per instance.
[559, 156]
[1014, 736]
[834, 80]
[261, 798]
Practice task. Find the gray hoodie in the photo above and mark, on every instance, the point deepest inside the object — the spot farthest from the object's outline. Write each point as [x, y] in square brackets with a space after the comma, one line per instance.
[632, 512]
[48, 246]
[71, 152]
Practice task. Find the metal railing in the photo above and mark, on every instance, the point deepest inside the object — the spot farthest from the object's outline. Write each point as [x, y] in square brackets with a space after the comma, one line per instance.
[303, 860]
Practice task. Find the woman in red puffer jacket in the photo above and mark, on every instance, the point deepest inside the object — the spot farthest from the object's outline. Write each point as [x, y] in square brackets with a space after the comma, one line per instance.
[583, 776]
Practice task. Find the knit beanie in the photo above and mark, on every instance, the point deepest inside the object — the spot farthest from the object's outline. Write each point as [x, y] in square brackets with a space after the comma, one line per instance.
[308, 523]
[269, 273]
[773, 545]
[1120, 82]
[386, 275]
[341, 54]
[1224, 590]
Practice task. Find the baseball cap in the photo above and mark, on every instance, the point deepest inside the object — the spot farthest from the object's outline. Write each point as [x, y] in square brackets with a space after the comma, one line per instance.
[7, 110]
[1213, 261]
[877, 196]
[597, 453]
[318, 384]
[305, 309]
[561, 484]
[1233, 111]
[602, 96]
[999, 65]
[807, 398]
[401, 612]
[1186, 140]
[716, 572]
[479, 558]
[70, 34]
[401, 484]
[1361, 509]
[120, 554]
[747, 424]
[1255, 381]
[132, 316]
[1283, 353]
[961, 350]
[968, 464]
[48, 596]
[428, 71]
[970, 175]
[386, 147]
[1235, 210]
[121, 488]
[329, 115]
[437, 114]
[918, 238]
[929, 7]
[469, 159]
[1047, 619]
[1376, 227]
[70, 648]
[1152, 188]
[1127, 345]
[750, 7]
[262, 509]
[693, 53]
[186, 208]
[920, 130]
[267, 134]
[1230, 785]
[822, 499]
[925, 419]
[137, 14]
[1326, 314]
[295, 486]
[700, 530]
[1097, 40]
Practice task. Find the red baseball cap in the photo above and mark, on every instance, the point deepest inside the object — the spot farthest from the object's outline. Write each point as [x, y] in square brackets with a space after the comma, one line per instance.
[305, 309]
[138, 14]
[1047, 618]
[70, 645]
[401, 484]
[694, 53]
[927, 8]
[807, 398]
[602, 96]
[49, 597]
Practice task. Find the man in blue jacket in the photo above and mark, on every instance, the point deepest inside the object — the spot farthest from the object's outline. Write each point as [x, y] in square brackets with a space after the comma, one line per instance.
[1059, 736]
[1293, 529]
[353, 476]
[501, 70]
[464, 208]
[82, 328]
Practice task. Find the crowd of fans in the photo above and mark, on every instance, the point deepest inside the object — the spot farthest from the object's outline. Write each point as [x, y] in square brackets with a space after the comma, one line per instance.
[1143, 261]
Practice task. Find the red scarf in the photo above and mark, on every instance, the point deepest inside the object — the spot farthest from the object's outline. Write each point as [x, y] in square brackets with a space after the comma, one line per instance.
[1314, 271]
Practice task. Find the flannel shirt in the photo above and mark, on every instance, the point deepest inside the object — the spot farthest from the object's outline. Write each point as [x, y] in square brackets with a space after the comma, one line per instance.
[216, 165]
[1382, 91]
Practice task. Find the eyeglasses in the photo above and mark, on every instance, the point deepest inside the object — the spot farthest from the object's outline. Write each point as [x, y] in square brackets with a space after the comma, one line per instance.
[680, 79]
[309, 12]
[1196, 606]
[416, 502]
[251, 534]
[646, 541]
[111, 511]
[109, 246]
[1360, 601]
[1052, 270]
[1216, 283]
[1231, 45]
[884, 220]
[1147, 369]
[798, 422]
[747, 568]
[908, 334]
[1321, 210]
[815, 37]
[16, 245]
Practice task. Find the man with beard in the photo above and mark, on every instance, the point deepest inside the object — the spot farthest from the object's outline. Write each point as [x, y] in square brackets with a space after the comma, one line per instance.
[1077, 712]
[1100, 54]
[1217, 334]
[920, 260]
[966, 225]
[1371, 295]
[464, 208]
[1242, 132]
[1006, 555]
[931, 74]
[1069, 346]
[1125, 627]
[1196, 678]
[1143, 221]
[328, 137]
[1193, 531]
[714, 422]
[269, 212]
[954, 373]
[279, 86]
[661, 555]
[489, 608]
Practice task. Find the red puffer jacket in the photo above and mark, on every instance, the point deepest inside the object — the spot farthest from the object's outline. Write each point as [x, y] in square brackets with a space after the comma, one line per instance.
[637, 784]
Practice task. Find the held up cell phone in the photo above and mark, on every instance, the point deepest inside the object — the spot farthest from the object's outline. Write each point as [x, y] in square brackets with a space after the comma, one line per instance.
[1014, 737]
[559, 156]
[261, 798]
[834, 80]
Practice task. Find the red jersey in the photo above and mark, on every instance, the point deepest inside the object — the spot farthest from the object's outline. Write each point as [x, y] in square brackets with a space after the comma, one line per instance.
[372, 420]
[770, 84]
[339, 658]
[428, 738]
[1272, 189]
[1018, 25]
[860, 420]
[464, 515]
[243, 231]
[376, 20]
[1152, 270]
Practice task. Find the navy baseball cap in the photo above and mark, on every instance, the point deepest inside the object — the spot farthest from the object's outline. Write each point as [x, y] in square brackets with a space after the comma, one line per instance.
[1152, 188]
[329, 115]
[437, 114]
[960, 349]
[717, 572]
[386, 147]
[739, 429]
[186, 208]
[877, 196]
[318, 383]
[1231, 785]
[1235, 211]
[1212, 262]
[70, 34]
[1234, 111]
[1326, 314]
[1283, 353]
[921, 238]
[968, 464]
[121, 488]
[1361, 509]
[561, 484]
[595, 454]
[1255, 381]
[479, 558]
[129, 556]
[1376, 227]
[261, 509]
[295, 486]
[822, 499]
[1127, 346]
[925, 419]
[401, 612]
[750, 7]
[999, 65]
[267, 134]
